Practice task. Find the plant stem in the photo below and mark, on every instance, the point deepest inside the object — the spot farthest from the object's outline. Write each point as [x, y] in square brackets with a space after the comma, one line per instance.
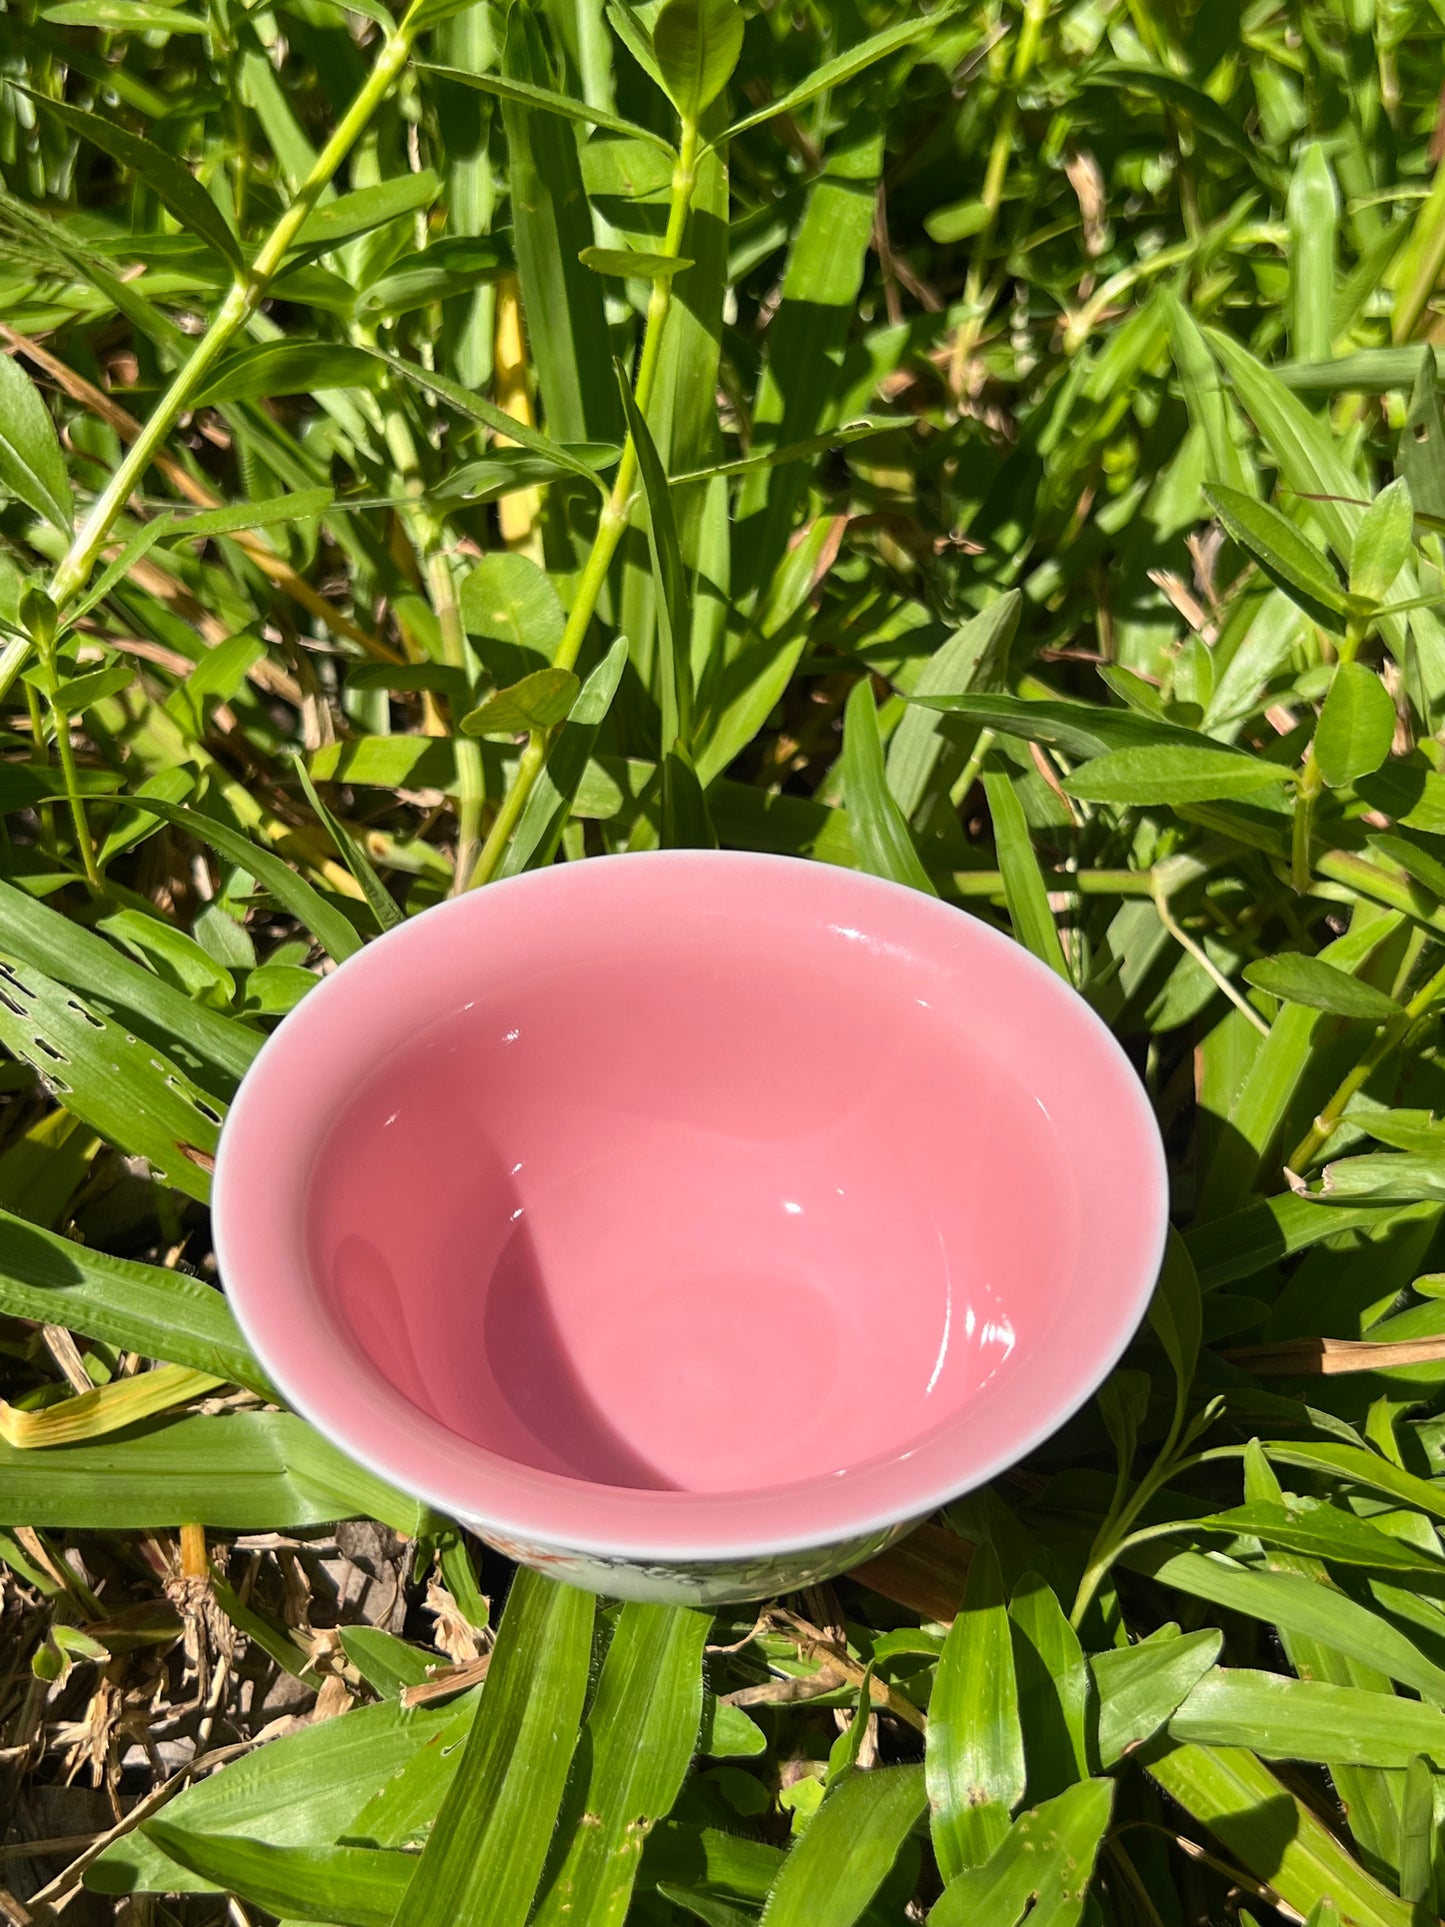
[1307, 795]
[239, 305]
[1390, 1035]
[616, 511]
[66, 754]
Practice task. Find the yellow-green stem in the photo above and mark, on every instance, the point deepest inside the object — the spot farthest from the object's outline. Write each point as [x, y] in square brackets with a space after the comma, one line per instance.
[615, 514]
[1306, 796]
[1391, 1034]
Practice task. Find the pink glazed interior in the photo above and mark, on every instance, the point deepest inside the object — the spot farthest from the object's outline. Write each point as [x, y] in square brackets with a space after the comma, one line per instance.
[690, 1205]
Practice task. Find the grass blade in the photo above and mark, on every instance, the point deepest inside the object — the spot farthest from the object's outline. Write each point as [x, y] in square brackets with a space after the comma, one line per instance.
[635, 1750]
[975, 1756]
[882, 841]
[852, 1841]
[1023, 882]
[484, 1856]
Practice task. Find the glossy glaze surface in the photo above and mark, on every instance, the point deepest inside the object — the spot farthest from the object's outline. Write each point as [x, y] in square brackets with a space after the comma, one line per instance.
[690, 1206]
[584, 1222]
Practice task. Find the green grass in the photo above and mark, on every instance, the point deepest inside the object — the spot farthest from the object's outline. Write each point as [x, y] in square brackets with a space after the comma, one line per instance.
[998, 449]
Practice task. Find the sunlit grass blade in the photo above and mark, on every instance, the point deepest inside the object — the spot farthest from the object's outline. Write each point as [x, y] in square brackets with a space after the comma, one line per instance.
[486, 1848]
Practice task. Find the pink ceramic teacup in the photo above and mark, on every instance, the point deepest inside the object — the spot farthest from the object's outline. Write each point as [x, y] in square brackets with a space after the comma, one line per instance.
[690, 1224]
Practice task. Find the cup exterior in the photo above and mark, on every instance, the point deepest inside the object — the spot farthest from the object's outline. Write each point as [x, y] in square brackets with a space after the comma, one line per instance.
[719, 1582]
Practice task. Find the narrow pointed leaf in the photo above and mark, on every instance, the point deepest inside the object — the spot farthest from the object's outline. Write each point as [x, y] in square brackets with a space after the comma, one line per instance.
[1299, 979]
[1023, 882]
[171, 182]
[484, 1856]
[851, 1843]
[881, 838]
[32, 468]
[975, 1758]
[639, 1738]
[1040, 1870]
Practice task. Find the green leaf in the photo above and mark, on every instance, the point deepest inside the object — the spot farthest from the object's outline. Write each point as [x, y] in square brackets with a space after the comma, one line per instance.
[538, 701]
[347, 1885]
[1176, 1312]
[1271, 1832]
[1416, 1854]
[1313, 210]
[77, 694]
[1299, 979]
[975, 1758]
[1245, 1241]
[1041, 1869]
[292, 508]
[1023, 882]
[329, 927]
[1298, 1719]
[326, 227]
[842, 436]
[1420, 457]
[211, 1048]
[382, 904]
[535, 840]
[142, 1308]
[1298, 1606]
[526, 94]
[246, 1471]
[1080, 730]
[1053, 1689]
[637, 1743]
[172, 184]
[484, 1855]
[674, 615]
[304, 1789]
[477, 410]
[122, 16]
[508, 599]
[1403, 1177]
[216, 678]
[628, 262]
[1415, 862]
[696, 44]
[1140, 1686]
[383, 1660]
[1383, 542]
[1173, 775]
[800, 392]
[551, 224]
[1323, 1532]
[852, 1841]
[1359, 1467]
[917, 741]
[32, 468]
[752, 682]
[451, 266]
[842, 67]
[1211, 407]
[1356, 726]
[1288, 558]
[266, 368]
[120, 1086]
[1192, 102]
[881, 838]
[727, 1731]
